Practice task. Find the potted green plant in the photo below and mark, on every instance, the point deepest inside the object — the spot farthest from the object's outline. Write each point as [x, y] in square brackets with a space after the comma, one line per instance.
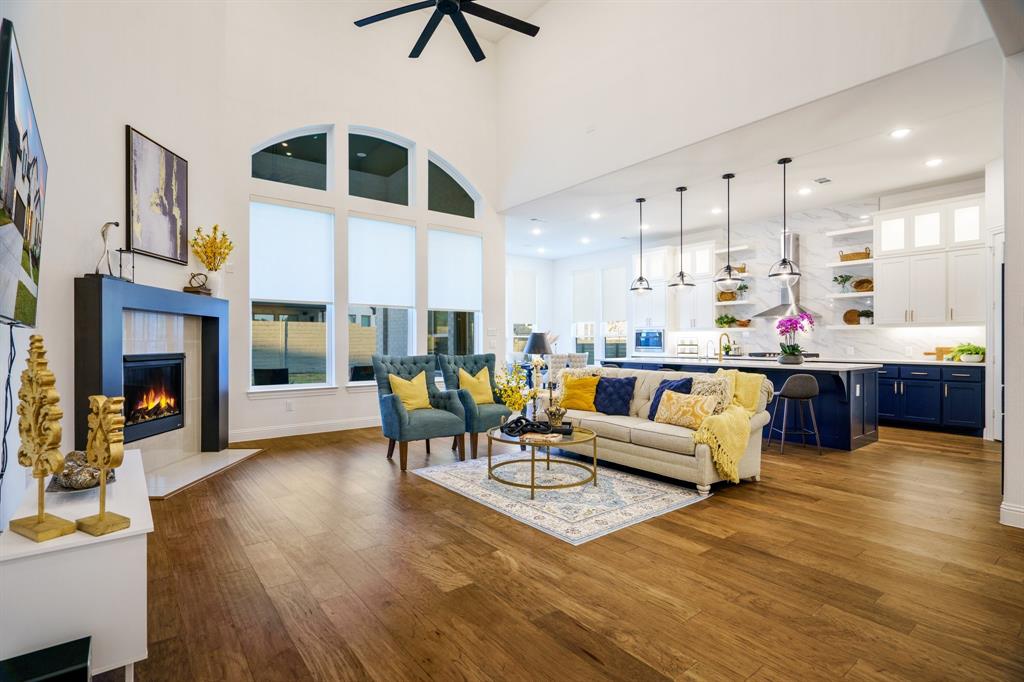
[725, 321]
[788, 328]
[741, 290]
[968, 352]
[843, 281]
[866, 316]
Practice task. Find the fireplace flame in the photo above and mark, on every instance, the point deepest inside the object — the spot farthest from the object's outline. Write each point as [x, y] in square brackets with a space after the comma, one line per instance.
[153, 399]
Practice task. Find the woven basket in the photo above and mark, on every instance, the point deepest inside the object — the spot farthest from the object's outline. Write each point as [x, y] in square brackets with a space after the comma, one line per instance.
[851, 317]
[726, 296]
[864, 284]
[855, 255]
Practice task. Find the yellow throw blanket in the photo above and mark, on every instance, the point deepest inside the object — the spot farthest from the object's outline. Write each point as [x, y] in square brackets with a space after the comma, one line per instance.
[726, 434]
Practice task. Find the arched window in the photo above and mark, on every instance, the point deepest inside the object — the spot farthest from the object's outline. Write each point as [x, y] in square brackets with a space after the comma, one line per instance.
[299, 160]
[446, 190]
[378, 166]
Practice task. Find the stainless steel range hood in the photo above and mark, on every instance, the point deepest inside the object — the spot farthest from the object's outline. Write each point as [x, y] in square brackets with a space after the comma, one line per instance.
[790, 305]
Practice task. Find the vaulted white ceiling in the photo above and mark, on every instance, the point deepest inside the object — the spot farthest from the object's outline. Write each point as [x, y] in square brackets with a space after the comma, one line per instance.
[952, 106]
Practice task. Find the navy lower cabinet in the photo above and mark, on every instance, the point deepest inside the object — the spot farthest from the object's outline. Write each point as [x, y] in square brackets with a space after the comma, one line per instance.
[921, 401]
[963, 404]
[945, 397]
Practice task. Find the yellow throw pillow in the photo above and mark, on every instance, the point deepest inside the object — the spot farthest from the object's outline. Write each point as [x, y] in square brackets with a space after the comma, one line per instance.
[578, 393]
[746, 387]
[413, 394]
[479, 386]
[683, 409]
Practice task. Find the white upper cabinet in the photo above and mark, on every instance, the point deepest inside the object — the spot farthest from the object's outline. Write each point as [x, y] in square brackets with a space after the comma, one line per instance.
[694, 306]
[649, 308]
[967, 279]
[892, 291]
[659, 263]
[928, 288]
[929, 227]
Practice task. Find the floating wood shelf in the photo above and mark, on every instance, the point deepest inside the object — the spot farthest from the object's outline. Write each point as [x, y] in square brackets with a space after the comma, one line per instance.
[851, 263]
[854, 294]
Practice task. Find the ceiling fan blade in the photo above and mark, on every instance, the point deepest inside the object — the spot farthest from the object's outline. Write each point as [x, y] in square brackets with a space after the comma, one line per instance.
[467, 36]
[428, 31]
[396, 12]
[500, 18]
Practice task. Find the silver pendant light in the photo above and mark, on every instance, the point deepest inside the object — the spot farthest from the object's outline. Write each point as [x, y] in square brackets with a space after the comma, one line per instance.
[640, 284]
[681, 279]
[785, 272]
[727, 278]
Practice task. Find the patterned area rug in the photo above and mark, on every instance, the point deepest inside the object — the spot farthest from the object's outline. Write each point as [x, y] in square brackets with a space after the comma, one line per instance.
[575, 515]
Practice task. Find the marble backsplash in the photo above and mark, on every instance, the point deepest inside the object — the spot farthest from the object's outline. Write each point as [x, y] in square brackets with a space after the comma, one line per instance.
[816, 251]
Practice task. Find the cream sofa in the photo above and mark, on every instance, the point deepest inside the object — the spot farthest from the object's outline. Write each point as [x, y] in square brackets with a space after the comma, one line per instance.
[640, 443]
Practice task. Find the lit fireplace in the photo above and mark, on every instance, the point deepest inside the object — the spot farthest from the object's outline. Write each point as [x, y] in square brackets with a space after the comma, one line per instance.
[154, 390]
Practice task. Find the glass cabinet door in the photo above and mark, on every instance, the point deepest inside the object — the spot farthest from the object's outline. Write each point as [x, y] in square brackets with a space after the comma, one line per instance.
[927, 230]
[892, 235]
[966, 224]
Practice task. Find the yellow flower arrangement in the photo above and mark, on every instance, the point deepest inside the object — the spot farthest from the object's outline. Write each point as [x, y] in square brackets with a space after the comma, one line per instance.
[512, 388]
[212, 249]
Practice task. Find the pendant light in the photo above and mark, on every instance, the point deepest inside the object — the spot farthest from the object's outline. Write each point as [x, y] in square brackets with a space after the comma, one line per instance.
[640, 284]
[727, 278]
[785, 272]
[681, 279]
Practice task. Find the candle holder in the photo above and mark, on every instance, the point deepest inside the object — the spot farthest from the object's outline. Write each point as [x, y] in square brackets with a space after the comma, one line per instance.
[39, 415]
[105, 450]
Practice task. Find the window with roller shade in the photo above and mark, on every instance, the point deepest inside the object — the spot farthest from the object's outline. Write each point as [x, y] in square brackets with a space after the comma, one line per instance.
[454, 291]
[381, 292]
[584, 311]
[522, 306]
[291, 291]
[614, 286]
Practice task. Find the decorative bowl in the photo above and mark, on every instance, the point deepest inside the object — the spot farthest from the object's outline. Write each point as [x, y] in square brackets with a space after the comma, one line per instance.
[972, 358]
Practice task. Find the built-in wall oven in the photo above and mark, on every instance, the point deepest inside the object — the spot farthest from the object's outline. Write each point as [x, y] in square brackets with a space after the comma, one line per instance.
[649, 341]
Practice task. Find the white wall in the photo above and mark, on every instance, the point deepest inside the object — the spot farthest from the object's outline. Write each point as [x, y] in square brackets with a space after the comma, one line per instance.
[608, 84]
[1012, 508]
[211, 81]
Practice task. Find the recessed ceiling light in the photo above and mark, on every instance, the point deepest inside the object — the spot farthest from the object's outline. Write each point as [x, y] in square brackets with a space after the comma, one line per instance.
[585, 240]
[288, 153]
[596, 215]
[540, 250]
[535, 231]
[865, 217]
[284, 144]
[932, 163]
[361, 155]
[804, 191]
[716, 210]
[899, 133]
[645, 226]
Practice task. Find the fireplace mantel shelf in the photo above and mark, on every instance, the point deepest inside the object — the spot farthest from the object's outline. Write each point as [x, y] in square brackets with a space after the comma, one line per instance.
[100, 303]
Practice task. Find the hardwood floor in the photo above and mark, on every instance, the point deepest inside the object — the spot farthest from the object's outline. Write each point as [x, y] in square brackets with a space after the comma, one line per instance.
[319, 560]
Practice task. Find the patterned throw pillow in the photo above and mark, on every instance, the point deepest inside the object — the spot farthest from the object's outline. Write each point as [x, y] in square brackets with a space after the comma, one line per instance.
[717, 387]
[674, 385]
[614, 395]
[578, 393]
[685, 410]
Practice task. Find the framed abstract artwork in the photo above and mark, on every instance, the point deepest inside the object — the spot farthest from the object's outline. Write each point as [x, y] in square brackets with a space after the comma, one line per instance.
[157, 198]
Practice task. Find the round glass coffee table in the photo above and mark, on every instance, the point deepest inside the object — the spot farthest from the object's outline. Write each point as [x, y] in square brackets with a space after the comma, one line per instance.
[578, 436]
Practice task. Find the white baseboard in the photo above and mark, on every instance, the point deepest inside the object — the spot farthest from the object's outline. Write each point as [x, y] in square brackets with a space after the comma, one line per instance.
[263, 432]
[1011, 514]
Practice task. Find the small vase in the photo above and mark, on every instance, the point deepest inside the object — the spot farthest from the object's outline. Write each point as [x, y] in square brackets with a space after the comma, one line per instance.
[215, 283]
[791, 359]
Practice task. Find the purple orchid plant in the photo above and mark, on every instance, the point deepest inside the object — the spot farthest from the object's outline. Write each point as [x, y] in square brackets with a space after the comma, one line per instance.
[789, 327]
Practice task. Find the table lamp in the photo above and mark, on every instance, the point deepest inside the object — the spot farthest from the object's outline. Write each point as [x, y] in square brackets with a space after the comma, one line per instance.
[537, 344]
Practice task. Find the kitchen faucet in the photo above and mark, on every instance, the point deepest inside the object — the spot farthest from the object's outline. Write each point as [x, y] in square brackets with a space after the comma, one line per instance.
[728, 339]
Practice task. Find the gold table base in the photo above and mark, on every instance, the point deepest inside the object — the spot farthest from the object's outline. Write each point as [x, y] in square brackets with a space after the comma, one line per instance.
[533, 486]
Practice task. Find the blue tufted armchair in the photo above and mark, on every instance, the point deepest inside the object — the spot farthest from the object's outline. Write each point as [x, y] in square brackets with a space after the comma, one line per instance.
[447, 419]
[479, 418]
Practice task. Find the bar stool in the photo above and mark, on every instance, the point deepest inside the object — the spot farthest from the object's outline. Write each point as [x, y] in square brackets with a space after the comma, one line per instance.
[801, 388]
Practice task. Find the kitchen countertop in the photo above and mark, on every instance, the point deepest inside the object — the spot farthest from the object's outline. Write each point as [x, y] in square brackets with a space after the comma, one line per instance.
[757, 363]
[826, 360]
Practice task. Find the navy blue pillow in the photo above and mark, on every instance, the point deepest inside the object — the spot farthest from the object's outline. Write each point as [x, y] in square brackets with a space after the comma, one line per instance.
[613, 395]
[676, 386]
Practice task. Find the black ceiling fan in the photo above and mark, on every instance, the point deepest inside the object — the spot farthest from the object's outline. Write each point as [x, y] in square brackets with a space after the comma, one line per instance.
[454, 9]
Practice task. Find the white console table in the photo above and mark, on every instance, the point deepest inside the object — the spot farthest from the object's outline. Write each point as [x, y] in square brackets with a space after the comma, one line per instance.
[78, 585]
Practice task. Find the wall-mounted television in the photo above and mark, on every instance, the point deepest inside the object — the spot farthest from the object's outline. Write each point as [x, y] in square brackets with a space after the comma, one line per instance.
[22, 188]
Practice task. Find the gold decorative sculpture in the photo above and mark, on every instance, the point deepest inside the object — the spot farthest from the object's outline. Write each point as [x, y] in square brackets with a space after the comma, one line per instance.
[105, 450]
[39, 416]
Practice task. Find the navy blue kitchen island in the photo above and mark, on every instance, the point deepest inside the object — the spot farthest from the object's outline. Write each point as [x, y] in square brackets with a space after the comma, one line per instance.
[846, 407]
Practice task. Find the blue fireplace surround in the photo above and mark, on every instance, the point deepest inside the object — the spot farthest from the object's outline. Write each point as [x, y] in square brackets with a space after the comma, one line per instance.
[100, 303]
